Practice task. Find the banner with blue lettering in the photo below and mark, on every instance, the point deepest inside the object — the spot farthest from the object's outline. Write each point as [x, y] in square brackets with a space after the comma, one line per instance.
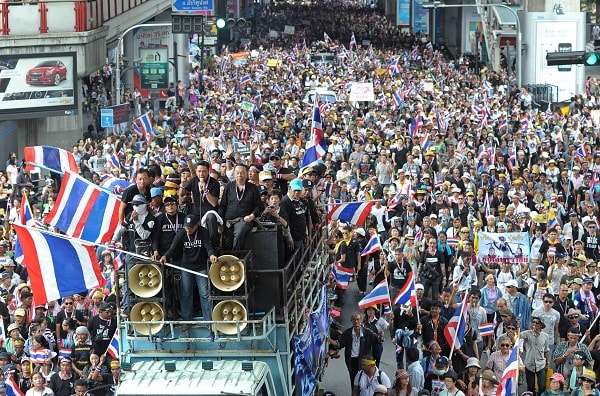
[309, 349]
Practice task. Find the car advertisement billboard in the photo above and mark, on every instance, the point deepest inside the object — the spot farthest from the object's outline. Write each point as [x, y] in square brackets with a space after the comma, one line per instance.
[45, 85]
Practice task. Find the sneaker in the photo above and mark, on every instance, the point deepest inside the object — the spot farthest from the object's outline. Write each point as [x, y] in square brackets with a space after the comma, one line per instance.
[186, 327]
[352, 279]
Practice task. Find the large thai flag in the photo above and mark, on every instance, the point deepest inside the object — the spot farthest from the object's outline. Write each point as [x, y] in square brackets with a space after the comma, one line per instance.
[373, 246]
[50, 157]
[12, 388]
[315, 147]
[379, 295]
[142, 126]
[342, 275]
[457, 324]
[408, 293]
[84, 210]
[113, 347]
[58, 267]
[351, 212]
[509, 377]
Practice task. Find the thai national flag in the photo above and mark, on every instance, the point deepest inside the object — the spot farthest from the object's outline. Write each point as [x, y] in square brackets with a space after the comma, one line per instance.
[397, 99]
[394, 68]
[373, 246]
[425, 142]
[142, 126]
[39, 356]
[486, 329]
[58, 267]
[407, 295]
[84, 210]
[114, 346]
[113, 161]
[395, 201]
[114, 184]
[26, 217]
[342, 275]
[277, 89]
[503, 124]
[452, 242]
[581, 152]
[486, 85]
[509, 376]
[50, 157]
[379, 295]
[352, 42]
[351, 212]
[457, 324]
[12, 388]
[315, 147]
[223, 63]
[245, 79]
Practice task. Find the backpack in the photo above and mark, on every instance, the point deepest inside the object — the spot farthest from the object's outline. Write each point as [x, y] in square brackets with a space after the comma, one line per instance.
[378, 377]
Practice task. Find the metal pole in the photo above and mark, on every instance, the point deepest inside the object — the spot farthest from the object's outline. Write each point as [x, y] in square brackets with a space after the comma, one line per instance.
[120, 51]
[519, 70]
[201, 87]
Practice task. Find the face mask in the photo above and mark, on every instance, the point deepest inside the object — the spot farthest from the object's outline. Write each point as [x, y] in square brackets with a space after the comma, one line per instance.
[440, 372]
[141, 209]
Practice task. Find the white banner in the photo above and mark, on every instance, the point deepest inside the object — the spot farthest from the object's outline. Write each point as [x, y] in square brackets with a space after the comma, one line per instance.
[362, 92]
[512, 247]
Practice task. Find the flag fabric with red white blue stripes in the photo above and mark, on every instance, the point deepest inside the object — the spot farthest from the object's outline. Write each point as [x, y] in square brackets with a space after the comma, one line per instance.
[142, 126]
[26, 217]
[395, 200]
[351, 212]
[509, 376]
[373, 246]
[58, 267]
[245, 79]
[457, 325]
[342, 275]
[50, 157]
[452, 242]
[315, 148]
[379, 295]
[114, 184]
[12, 388]
[407, 294]
[84, 210]
[581, 152]
[114, 346]
[486, 329]
[352, 41]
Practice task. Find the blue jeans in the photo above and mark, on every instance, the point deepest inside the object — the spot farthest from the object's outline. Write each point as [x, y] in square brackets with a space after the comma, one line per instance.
[186, 299]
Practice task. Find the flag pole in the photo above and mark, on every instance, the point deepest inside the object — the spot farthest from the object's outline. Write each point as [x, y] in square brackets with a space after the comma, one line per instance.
[139, 256]
[459, 321]
[416, 299]
[45, 168]
[569, 182]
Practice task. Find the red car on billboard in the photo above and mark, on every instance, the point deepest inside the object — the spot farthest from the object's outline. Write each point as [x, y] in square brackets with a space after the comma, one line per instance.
[49, 72]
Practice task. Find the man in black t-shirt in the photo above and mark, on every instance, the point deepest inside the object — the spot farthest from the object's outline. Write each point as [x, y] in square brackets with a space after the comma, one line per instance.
[205, 196]
[142, 186]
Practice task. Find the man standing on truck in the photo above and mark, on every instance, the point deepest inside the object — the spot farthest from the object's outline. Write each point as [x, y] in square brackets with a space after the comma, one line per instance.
[193, 243]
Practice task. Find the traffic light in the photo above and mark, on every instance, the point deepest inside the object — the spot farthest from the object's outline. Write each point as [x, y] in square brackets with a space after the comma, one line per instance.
[592, 59]
[220, 23]
[573, 58]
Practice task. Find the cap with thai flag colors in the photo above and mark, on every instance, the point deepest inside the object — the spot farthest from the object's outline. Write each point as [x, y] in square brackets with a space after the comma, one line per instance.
[52, 158]
[379, 295]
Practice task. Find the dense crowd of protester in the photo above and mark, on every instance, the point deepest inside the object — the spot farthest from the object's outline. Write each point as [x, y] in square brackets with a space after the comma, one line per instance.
[446, 154]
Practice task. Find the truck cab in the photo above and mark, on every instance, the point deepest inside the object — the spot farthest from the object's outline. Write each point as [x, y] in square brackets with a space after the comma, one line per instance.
[268, 335]
[195, 377]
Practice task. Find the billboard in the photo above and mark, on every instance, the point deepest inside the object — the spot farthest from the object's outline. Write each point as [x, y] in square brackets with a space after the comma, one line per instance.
[31, 84]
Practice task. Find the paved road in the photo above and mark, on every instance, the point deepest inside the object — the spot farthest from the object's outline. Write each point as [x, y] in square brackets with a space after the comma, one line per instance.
[336, 377]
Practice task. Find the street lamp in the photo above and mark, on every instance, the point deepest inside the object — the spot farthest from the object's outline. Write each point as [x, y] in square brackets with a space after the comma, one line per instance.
[437, 4]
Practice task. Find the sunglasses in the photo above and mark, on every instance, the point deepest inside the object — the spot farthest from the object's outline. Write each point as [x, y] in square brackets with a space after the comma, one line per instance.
[504, 345]
[573, 316]
[511, 328]
[68, 303]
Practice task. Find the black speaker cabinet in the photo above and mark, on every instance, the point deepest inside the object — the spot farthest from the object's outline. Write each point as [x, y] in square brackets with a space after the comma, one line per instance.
[267, 247]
